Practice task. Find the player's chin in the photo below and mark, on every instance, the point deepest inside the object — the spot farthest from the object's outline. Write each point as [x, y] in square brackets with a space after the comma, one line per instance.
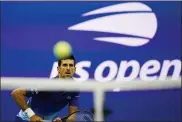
[68, 76]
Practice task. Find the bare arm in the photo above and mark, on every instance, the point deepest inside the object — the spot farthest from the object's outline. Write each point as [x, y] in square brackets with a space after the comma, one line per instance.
[19, 95]
[72, 109]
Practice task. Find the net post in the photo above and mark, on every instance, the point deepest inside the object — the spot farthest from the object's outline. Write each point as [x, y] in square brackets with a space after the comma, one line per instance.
[99, 104]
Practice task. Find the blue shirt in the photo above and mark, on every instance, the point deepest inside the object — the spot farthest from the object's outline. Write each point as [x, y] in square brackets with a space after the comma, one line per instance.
[48, 104]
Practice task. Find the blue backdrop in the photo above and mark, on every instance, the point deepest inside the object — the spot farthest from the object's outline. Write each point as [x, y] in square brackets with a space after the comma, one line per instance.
[29, 31]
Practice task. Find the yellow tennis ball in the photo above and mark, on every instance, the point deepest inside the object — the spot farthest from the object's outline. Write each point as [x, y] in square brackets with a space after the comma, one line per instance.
[62, 49]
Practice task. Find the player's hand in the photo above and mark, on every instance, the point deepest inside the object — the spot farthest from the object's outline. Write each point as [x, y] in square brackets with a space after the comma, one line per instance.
[36, 118]
[58, 120]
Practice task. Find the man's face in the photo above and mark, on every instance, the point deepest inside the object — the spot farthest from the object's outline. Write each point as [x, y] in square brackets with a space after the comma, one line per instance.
[66, 69]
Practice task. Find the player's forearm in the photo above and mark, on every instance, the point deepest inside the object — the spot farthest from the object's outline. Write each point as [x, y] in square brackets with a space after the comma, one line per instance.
[72, 109]
[71, 118]
[20, 98]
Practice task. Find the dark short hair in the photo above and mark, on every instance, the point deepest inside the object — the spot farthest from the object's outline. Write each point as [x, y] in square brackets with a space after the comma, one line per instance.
[68, 57]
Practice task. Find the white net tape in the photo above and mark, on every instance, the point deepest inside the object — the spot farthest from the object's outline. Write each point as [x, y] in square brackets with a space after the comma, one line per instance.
[8, 83]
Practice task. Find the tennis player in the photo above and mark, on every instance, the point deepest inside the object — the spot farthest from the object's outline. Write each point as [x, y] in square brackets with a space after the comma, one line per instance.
[46, 105]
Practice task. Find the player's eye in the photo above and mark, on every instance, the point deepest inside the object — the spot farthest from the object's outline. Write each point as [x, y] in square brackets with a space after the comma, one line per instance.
[71, 65]
[64, 65]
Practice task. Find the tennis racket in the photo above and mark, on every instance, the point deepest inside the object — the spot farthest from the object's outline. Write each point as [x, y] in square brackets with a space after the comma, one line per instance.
[80, 116]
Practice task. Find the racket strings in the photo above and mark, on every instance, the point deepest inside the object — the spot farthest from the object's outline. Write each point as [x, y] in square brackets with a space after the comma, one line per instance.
[83, 117]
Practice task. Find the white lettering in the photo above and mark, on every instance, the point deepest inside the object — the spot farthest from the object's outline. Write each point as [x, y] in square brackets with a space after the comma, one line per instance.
[167, 65]
[150, 67]
[112, 71]
[84, 75]
[54, 71]
[147, 71]
[124, 65]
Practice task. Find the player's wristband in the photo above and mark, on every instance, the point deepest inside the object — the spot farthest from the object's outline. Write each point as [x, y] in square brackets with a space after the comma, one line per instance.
[29, 112]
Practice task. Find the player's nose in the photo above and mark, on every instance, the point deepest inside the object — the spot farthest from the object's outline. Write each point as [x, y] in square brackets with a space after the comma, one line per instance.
[68, 67]
[67, 70]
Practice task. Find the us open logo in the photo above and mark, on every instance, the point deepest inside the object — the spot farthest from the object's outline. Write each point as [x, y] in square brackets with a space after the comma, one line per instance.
[136, 25]
[134, 21]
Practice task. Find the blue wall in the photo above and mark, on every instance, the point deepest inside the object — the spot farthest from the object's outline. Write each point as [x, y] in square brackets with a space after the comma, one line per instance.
[29, 31]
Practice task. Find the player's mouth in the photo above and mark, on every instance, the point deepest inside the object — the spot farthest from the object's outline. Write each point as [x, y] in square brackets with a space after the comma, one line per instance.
[68, 73]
